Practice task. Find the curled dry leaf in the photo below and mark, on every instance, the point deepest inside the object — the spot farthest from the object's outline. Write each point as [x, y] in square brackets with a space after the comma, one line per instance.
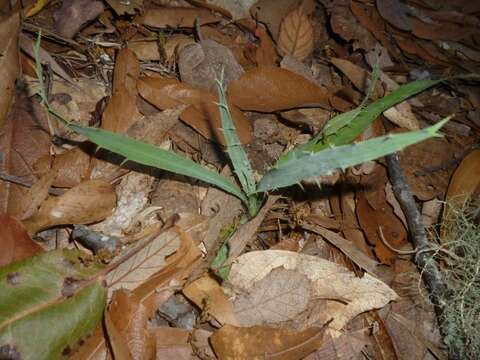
[296, 35]
[263, 342]
[177, 17]
[9, 62]
[345, 295]
[208, 295]
[15, 242]
[89, 202]
[269, 89]
[202, 114]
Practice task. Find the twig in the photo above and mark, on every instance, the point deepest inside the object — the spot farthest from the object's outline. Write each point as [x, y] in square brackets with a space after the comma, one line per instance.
[423, 258]
[27, 183]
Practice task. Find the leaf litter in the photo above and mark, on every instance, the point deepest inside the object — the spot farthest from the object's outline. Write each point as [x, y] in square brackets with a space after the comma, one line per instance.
[149, 71]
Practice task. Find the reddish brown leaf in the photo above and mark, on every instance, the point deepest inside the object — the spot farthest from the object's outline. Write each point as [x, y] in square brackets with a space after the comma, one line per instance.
[296, 35]
[24, 139]
[265, 54]
[126, 72]
[15, 242]
[172, 343]
[269, 89]
[177, 17]
[89, 202]
[260, 342]
[9, 62]
[202, 114]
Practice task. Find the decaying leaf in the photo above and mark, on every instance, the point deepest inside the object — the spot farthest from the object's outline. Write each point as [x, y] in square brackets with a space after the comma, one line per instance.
[260, 342]
[202, 114]
[9, 62]
[177, 17]
[296, 35]
[264, 89]
[15, 242]
[344, 294]
[89, 202]
[55, 288]
[207, 294]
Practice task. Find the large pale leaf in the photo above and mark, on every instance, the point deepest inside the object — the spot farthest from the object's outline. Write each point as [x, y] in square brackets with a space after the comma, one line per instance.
[326, 161]
[47, 304]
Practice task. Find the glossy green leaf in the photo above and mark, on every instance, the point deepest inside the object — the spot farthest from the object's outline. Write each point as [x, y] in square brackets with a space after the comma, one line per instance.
[47, 304]
[326, 161]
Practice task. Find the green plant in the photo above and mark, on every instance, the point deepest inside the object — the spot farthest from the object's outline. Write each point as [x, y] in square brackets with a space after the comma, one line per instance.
[325, 153]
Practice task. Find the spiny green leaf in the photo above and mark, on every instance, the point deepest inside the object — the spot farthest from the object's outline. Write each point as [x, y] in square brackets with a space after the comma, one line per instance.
[150, 155]
[341, 157]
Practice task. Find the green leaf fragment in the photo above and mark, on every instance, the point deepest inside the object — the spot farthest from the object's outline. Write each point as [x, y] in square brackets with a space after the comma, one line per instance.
[342, 157]
[47, 304]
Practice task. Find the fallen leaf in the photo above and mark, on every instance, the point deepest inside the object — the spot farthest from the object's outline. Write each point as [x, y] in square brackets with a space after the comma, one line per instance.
[9, 62]
[262, 342]
[344, 294]
[130, 318]
[89, 202]
[174, 44]
[280, 296]
[74, 14]
[272, 12]
[24, 140]
[202, 114]
[145, 50]
[55, 288]
[173, 343]
[296, 35]
[269, 89]
[178, 17]
[201, 64]
[265, 55]
[208, 295]
[15, 242]
[125, 7]
[72, 167]
[126, 72]
[117, 342]
[395, 12]
[153, 258]
[236, 9]
[121, 111]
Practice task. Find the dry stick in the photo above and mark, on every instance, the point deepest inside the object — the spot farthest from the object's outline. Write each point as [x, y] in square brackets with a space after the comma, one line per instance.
[423, 258]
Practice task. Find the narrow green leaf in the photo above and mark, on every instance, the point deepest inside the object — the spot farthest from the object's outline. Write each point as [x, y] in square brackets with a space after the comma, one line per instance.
[47, 304]
[150, 155]
[237, 154]
[326, 161]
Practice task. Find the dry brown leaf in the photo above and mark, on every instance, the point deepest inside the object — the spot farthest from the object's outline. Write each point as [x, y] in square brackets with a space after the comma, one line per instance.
[208, 295]
[269, 89]
[30, 202]
[272, 12]
[175, 44]
[358, 76]
[130, 319]
[172, 343]
[245, 232]
[202, 114]
[348, 346]
[296, 35]
[72, 166]
[126, 72]
[125, 7]
[151, 259]
[395, 12]
[9, 62]
[177, 17]
[262, 342]
[345, 295]
[117, 341]
[74, 14]
[121, 111]
[24, 139]
[265, 55]
[236, 9]
[15, 242]
[86, 203]
[145, 50]
[280, 296]
[202, 63]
